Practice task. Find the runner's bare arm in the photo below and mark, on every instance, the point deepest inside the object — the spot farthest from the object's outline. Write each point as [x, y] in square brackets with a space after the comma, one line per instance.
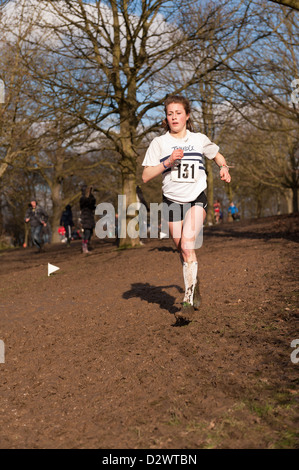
[224, 170]
[151, 172]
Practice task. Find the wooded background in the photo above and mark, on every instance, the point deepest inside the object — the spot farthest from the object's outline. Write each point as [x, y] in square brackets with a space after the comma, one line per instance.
[84, 83]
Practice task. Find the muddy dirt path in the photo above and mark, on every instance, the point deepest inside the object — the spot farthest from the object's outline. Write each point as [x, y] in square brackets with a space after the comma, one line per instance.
[95, 359]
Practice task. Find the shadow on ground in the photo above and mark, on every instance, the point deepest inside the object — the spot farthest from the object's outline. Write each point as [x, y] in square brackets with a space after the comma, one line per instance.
[154, 294]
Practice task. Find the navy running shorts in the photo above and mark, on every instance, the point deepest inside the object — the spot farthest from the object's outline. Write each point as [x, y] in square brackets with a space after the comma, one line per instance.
[177, 212]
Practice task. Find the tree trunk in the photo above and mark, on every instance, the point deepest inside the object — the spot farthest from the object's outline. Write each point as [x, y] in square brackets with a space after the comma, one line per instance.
[295, 199]
[288, 197]
[259, 208]
[294, 177]
[57, 211]
[229, 193]
[127, 235]
[288, 3]
[128, 164]
[259, 202]
[278, 203]
[242, 208]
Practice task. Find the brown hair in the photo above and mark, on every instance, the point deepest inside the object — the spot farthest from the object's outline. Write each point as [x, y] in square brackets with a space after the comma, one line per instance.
[187, 107]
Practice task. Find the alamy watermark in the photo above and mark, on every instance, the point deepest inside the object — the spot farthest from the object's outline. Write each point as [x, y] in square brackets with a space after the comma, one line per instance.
[2, 91]
[295, 93]
[112, 223]
[2, 352]
[294, 357]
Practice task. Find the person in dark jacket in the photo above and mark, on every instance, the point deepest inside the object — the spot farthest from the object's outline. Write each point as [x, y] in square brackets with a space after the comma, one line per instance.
[37, 217]
[66, 221]
[87, 207]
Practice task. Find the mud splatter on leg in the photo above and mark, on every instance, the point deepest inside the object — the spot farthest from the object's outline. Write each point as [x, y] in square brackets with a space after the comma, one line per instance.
[190, 278]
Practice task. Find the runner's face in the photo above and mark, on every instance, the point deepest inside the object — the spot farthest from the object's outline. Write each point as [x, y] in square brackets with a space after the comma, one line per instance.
[177, 118]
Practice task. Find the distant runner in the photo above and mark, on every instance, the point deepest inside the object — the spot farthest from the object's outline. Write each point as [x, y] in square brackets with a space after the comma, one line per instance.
[38, 218]
[66, 221]
[217, 211]
[87, 207]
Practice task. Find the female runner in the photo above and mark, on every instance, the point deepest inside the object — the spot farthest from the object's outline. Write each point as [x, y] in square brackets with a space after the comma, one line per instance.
[179, 156]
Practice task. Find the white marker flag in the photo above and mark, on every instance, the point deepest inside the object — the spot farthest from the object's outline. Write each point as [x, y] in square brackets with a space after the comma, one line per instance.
[52, 269]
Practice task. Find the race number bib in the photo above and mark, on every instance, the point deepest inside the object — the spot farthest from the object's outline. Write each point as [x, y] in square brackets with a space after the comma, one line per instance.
[185, 172]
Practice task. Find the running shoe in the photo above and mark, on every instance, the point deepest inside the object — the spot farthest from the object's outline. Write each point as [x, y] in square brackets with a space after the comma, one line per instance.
[186, 313]
[196, 296]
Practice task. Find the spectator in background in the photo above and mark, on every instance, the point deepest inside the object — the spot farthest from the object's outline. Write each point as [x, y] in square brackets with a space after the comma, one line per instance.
[87, 207]
[46, 234]
[27, 230]
[217, 211]
[233, 211]
[61, 233]
[66, 221]
[38, 218]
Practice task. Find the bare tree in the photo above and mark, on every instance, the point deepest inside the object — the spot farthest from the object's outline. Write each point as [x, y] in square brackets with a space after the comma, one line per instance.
[18, 187]
[267, 72]
[263, 162]
[65, 161]
[106, 67]
[37, 134]
[234, 32]
[261, 92]
[117, 60]
[17, 111]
